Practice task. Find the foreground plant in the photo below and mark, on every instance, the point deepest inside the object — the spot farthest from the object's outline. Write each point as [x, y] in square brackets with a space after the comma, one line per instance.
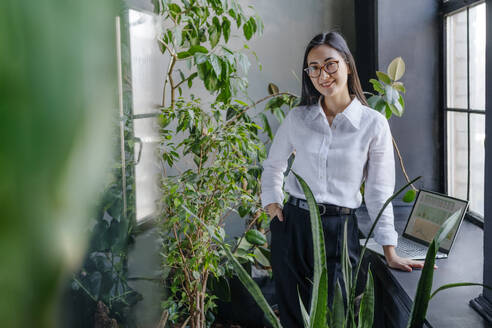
[340, 316]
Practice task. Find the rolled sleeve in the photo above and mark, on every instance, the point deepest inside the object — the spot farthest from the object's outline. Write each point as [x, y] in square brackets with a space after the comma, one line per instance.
[380, 184]
[275, 165]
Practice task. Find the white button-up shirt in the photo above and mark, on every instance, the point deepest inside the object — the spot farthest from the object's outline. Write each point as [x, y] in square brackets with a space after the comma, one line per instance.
[335, 160]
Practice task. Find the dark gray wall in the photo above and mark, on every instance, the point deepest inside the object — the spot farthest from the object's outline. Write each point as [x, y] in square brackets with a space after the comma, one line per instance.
[411, 29]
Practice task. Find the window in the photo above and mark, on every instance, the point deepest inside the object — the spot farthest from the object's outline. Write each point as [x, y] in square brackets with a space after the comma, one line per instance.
[465, 105]
[148, 68]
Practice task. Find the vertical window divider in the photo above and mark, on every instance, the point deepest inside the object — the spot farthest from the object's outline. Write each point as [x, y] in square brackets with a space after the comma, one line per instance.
[468, 101]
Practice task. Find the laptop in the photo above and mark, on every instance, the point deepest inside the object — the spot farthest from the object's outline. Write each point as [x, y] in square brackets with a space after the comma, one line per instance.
[429, 212]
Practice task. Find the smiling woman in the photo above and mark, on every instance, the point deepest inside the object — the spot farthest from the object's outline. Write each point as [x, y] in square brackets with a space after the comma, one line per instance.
[340, 143]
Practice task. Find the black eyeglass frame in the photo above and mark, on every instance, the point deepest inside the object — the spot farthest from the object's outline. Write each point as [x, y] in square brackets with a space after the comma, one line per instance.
[323, 67]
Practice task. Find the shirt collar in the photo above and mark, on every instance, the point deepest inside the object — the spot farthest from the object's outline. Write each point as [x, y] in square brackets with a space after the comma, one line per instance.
[352, 112]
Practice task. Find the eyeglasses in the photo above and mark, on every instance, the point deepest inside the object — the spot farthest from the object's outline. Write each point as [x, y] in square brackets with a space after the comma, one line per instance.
[330, 67]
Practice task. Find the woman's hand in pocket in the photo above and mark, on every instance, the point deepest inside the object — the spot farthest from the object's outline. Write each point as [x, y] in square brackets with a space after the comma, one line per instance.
[275, 210]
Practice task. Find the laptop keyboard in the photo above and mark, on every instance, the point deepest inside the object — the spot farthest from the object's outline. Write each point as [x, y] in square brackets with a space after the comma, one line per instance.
[406, 248]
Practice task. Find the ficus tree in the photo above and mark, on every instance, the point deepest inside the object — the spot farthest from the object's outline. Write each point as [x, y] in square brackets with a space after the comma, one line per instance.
[212, 150]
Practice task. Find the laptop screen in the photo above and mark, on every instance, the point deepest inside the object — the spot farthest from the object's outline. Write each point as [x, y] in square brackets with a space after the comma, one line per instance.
[429, 212]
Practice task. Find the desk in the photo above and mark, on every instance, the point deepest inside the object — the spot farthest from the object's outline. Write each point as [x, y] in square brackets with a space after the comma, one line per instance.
[395, 290]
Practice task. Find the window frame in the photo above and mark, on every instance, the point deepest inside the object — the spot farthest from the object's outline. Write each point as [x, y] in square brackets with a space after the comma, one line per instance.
[449, 8]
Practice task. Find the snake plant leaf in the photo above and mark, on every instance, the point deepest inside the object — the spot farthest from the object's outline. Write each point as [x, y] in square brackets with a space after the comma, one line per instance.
[242, 274]
[345, 261]
[423, 294]
[366, 310]
[396, 69]
[446, 227]
[458, 284]
[305, 315]
[319, 296]
[252, 288]
[338, 314]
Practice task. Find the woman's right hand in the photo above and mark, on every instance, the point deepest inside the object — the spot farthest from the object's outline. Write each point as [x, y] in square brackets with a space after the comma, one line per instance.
[273, 210]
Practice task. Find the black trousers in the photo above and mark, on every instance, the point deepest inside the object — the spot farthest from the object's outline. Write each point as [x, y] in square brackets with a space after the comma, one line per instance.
[292, 258]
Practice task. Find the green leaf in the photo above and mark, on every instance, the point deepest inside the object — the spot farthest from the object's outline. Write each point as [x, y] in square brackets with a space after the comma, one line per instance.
[261, 258]
[197, 49]
[399, 87]
[383, 77]
[388, 112]
[241, 102]
[174, 9]
[183, 54]
[266, 252]
[214, 32]
[255, 237]
[377, 103]
[248, 30]
[458, 284]
[396, 69]
[279, 114]
[409, 196]
[305, 315]
[396, 109]
[272, 88]
[215, 61]
[243, 62]
[338, 311]
[226, 28]
[200, 58]
[366, 310]
[390, 94]
[377, 85]
[190, 79]
[266, 125]
[319, 296]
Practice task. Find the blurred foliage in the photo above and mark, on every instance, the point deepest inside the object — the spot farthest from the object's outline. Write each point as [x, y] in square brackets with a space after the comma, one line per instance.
[57, 90]
[103, 275]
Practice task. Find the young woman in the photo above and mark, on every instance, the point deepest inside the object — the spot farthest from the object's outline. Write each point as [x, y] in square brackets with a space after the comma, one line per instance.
[339, 142]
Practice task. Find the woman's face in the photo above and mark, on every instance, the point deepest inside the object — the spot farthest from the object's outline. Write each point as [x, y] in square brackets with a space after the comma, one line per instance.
[328, 85]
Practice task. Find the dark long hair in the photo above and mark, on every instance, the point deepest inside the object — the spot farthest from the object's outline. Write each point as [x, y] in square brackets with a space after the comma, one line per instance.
[333, 39]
